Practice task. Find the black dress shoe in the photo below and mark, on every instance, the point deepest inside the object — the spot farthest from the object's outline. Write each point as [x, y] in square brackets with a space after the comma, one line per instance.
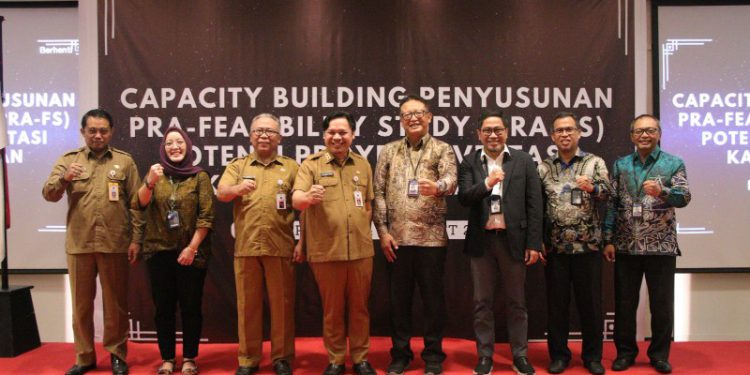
[247, 370]
[622, 364]
[557, 366]
[433, 368]
[119, 367]
[484, 366]
[80, 369]
[282, 367]
[662, 366]
[363, 368]
[522, 366]
[594, 367]
[398, 367]
[334, 369]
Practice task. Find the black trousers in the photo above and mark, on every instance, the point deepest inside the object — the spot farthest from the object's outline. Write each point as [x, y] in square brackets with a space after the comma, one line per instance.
[423, 266]
[171, 284]
[659, 271]
[584, 273]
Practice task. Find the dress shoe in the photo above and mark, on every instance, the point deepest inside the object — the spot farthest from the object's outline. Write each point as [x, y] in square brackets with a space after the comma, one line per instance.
[363, 368]
[557, 366]
[246, 370]
[397, 367]
[662, 367]
[484, 366]
[334, 369]
[282, 367]
[622, 364]
[80, 369]
[433, 368]
[594, 367]
[522, 366]
[119, 367]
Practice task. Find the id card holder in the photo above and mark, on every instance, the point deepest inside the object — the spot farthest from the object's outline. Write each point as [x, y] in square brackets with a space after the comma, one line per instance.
[576, 197]
[413, 190]
[496, 205]
[113, 191]
[358, 201]
[280, 201]
[637, 210]
[173, 219]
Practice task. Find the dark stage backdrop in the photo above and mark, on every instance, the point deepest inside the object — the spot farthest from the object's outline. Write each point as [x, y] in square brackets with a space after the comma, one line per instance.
[210, 66]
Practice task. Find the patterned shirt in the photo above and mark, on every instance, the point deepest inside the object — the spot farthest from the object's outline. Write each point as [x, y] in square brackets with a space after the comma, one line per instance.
[656, 232]
[569, 228]
[420, 220]
[193, 200]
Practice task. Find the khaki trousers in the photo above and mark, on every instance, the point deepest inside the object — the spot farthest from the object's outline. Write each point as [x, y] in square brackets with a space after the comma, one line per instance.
[113, 274]
[275, 275]
[345, 285]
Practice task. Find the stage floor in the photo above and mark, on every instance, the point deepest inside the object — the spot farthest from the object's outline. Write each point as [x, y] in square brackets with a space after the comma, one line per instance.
[703, 358]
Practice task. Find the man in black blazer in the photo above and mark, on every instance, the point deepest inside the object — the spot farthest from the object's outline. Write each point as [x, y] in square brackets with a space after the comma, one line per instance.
[502, 189]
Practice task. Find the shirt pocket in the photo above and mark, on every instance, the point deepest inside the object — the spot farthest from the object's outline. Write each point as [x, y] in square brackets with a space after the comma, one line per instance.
[81, 185]
[333, 189]
[117, 178]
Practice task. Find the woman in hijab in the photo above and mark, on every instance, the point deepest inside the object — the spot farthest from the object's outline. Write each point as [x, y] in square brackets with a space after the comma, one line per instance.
[177, 200]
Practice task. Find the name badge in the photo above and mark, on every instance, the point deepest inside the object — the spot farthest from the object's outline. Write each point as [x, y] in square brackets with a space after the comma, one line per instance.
[358, 201]
[496, 205]
[173, 219]
[281, 201]
[576, 197]
[637, 210]
[413, 190]
[326, 174]
[113, 189]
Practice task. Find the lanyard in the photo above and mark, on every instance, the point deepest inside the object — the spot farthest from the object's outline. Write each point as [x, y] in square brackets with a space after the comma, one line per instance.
[172, 201]
[407, 153]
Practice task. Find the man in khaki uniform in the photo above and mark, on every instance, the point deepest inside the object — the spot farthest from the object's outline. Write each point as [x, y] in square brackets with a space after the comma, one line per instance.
[102, 236]
[334, 188]
[260, 186]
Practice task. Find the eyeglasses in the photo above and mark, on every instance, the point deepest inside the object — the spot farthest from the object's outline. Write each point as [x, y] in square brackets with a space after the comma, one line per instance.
[261, 132]
[649, 131]
[489, 131]
[411, 115]
[569, 130]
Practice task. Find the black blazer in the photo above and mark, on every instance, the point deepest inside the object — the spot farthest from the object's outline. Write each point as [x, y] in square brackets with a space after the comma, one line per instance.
[522, 202]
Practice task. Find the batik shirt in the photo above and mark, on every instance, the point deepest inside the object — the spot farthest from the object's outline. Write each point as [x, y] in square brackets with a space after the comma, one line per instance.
[569, 228]
[655, 233]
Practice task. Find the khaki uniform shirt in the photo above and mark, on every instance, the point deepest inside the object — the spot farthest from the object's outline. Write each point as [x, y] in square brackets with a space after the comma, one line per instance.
[262, 229]
[98, 221]
[193, 201]
[336, 229]
[414, 221]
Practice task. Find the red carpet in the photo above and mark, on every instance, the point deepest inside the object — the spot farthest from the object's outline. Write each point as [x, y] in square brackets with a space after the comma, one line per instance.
[687, 358]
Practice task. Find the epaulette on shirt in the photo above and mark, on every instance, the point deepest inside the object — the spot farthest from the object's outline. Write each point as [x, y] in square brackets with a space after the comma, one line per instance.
[120, 152]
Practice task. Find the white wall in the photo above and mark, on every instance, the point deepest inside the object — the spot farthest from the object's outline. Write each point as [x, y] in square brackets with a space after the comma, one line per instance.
[707, 306]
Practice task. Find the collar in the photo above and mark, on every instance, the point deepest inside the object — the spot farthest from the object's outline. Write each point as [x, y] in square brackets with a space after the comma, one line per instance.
[506, 152]
[421, 143]
[330, 158]
[579, 154]
[90, 153]
[651, 157]
[253, 157]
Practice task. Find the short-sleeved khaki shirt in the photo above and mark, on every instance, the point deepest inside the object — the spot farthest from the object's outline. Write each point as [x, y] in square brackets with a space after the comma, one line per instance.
[261, 228]
[337, 229]
[99, 216]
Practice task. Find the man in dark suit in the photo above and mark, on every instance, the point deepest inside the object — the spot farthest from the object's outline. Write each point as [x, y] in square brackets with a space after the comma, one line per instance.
[502, 189]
